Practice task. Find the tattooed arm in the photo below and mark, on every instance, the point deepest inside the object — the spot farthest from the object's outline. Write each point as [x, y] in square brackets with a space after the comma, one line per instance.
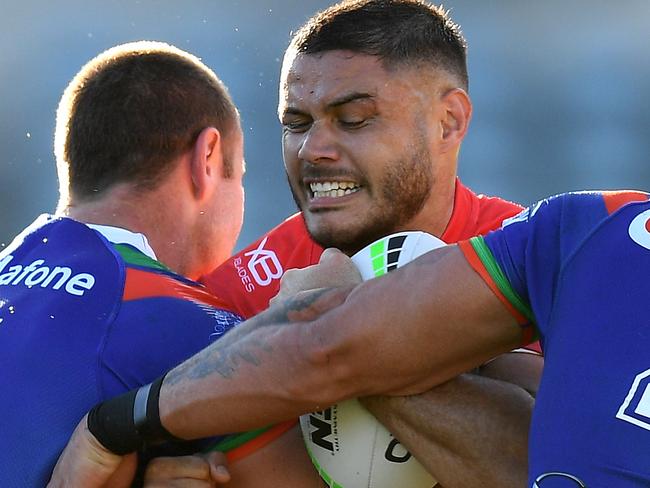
[263, 343]
[380, 339]
[85, 462]
[417, 327]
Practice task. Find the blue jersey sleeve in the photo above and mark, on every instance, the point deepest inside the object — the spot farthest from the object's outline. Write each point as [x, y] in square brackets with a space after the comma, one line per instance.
[152, 336]
[532, 248]
[82, 320]
[527, 250]
[162, 321]
[579, 262]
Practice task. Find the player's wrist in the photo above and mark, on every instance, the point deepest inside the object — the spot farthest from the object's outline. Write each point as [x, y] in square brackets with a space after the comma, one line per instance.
[128, 422]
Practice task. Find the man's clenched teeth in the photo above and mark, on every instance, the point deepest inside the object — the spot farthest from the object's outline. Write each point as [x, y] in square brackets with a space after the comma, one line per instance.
[332, 189]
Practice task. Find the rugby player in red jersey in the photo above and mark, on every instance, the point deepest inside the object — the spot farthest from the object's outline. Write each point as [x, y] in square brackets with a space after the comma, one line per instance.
[374, 107]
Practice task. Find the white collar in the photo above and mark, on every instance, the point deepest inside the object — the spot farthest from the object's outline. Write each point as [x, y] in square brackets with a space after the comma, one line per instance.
[117, 235]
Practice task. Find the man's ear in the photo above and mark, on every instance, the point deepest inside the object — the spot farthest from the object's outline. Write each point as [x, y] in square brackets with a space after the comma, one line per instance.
[207, 162]
[457, 113]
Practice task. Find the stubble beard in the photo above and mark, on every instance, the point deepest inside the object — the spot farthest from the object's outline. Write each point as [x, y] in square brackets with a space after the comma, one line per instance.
[404, 189]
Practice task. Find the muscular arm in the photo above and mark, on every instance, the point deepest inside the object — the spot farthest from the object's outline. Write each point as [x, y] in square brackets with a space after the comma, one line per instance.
[399, 335]
[468, 432]
[523, 369]
[403, 334]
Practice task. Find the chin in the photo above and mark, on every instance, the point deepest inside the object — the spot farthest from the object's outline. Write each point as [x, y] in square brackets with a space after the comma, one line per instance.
[348, 239]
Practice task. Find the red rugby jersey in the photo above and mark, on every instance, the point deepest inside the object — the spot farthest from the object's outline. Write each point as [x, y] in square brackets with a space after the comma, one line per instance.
[247, 281]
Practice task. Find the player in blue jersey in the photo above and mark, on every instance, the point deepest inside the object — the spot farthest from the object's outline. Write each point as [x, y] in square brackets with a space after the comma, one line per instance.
[94, 301]
[572, 270]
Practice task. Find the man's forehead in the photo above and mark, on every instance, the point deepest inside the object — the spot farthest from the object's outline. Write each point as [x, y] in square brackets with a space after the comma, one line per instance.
[342, 59]
[330, 75]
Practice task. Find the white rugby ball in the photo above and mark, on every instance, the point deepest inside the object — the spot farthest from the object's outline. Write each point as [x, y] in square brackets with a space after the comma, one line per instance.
[348, 446]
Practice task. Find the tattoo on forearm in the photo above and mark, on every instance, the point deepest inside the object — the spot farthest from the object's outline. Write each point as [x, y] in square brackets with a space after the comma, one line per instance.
[244, 345]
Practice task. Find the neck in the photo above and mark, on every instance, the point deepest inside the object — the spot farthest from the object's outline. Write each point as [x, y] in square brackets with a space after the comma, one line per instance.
[156, 216]
[436, 213]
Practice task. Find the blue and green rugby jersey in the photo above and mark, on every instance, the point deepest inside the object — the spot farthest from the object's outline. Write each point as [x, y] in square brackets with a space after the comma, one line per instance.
[82, 320]
[576, 267]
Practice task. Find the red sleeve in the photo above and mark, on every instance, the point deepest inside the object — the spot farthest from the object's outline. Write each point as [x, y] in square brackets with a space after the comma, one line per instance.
[247, 281]
[493, 211]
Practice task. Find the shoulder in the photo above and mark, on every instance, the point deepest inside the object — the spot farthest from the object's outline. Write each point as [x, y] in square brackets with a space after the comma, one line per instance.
[553, 229]
[577, 210]
[63, 256]
[288, 244]
[166, 318]
[286, 235]
[476, 214]
[149, 282]
[492, 211]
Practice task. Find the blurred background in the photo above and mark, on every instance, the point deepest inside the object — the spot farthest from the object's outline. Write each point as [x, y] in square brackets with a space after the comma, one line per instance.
[561, 90]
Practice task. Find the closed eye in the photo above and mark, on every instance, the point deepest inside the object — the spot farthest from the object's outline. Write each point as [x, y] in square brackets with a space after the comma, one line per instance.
[296, 125]
[353, 124]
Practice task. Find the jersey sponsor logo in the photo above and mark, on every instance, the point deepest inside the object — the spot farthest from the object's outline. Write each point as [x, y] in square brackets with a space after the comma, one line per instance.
[56, 278]
[550, 480]
[242, 272]
[639, 229]
[635, 409]
[264, 265]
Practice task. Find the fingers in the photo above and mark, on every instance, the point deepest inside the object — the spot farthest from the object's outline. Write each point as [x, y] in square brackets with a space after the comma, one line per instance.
[334, 269]
[198, 471]
[341, 271]
[332, 255]
[181, 483]
[125, 472]
[84, 461]
[218, 466]
[178, 467]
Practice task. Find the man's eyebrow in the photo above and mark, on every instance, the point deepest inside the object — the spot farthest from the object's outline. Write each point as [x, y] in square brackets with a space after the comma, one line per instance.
[350, 97]
[337, 102]
[292, 111]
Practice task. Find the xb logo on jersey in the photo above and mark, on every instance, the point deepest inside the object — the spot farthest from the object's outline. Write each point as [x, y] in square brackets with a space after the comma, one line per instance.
[639, 229]
[264, 264]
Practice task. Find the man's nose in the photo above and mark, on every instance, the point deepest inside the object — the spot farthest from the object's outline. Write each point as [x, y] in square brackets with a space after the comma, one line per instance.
[319, 144]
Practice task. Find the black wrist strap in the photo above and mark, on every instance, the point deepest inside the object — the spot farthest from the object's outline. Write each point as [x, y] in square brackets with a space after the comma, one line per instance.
[128, 422]
[146, 414]
[111, 422]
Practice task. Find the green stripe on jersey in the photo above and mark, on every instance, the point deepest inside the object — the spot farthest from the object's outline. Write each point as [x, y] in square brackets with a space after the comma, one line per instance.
[233, 441]
[487, 258]
[133, 256]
